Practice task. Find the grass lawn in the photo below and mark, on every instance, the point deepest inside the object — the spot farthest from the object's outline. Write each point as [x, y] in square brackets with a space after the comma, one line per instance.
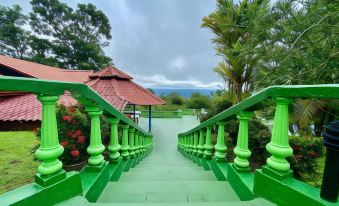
[17, 165]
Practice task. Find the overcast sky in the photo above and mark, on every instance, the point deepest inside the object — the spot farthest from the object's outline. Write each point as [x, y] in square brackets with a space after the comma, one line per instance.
[158, 42]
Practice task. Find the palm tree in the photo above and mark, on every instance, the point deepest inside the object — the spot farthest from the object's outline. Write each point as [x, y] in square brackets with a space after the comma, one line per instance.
[232, 25]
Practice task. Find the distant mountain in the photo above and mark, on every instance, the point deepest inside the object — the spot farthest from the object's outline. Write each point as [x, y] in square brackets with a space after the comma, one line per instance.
[183, 92]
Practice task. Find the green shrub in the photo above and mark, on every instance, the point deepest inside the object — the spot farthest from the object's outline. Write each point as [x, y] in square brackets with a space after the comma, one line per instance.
[306, 151]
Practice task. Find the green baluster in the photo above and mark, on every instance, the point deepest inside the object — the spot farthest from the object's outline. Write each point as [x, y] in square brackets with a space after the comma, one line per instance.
[49, 149]
[279, 145]
[95, 147]
[191, 143]
[220, 147]
[241, 150]
[201, 143]
[114, 145]
[195, 143]
[131, 142]
[136, 143]
[124, 146]
[208, 145]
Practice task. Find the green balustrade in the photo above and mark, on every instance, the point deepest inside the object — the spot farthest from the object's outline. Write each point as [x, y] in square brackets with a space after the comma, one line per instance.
[131, 142]
[208, 145]
[195, 143]
[114, 145]
[241, 150]
[220, 147]
[136, 144]
[49, 149]
[201, 143]
[124, 145]
[279, 146]
[95, 148]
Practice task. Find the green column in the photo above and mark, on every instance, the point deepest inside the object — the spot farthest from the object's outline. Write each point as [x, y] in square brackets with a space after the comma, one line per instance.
[201, 143]
[186, 144]
[49, 149]
[241, 150]
[124, 146]
[220, 147]
[208, 145]
[141, 143]
[191, 143]
[114, 145]
[279, 145]
[195, 143]
[95, 147]
[136, 143]
[131, 142]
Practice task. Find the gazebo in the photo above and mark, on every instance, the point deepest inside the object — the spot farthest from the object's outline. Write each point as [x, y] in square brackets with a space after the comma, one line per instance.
[119, 89]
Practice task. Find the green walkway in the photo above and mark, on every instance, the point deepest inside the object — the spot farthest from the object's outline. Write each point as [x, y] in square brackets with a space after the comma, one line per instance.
[165, 177]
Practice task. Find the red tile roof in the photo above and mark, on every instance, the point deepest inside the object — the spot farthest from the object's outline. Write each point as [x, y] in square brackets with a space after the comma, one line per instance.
[40, 71]
[27, 107]
[121, 89]
[112, 84]
[110, 71]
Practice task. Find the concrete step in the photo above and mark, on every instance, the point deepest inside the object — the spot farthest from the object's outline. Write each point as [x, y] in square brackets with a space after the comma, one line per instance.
[171, 175]
[165, 191]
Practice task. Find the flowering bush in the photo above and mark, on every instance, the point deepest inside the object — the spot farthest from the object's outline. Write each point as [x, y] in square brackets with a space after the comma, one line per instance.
[306, 150]
[74, 131]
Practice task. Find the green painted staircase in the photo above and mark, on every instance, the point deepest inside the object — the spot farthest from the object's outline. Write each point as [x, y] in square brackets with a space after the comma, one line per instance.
[165, 177]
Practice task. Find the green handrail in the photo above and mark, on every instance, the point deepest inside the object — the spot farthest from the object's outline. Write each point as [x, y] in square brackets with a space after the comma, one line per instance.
[258, 100]
[79, 91]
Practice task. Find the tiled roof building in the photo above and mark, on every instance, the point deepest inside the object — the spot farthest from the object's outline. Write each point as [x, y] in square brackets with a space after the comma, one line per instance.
[112, 84]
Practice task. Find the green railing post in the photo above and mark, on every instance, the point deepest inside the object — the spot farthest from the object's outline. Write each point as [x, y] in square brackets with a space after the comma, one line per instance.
[124, 145]
[136, 144]
[95, 147]
[191, 143]
[241, 150]
[49, 149]
[131, 142]
[279, 145]
[201, 143]
[220, 147]
[195, 143]
[114, 145]
[208, 145]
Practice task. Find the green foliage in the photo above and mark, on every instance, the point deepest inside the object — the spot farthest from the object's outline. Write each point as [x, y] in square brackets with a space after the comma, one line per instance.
[234, 28]
[61, 36]
[198, 101]
[13, 38]
[306, 152]
[174, 98]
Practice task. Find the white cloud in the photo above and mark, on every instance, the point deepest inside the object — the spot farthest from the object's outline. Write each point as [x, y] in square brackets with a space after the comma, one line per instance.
[159, 80]
[178, 63]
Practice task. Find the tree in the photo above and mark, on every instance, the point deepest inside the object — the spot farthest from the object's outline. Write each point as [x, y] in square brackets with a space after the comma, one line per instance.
[234, 26]
[198, 101]
[13, 38]
[77, 37]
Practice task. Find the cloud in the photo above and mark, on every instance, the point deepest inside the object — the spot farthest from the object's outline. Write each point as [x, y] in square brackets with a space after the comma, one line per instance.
[159, 80]
[158, 37]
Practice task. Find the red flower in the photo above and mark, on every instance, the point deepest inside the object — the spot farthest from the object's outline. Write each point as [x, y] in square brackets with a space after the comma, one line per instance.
[81, 139]
[67, 118]
[78, 132]
[64, 143]
[75, 153]
[295, 147]
[71, 109]
[69, 133]
[74, 146]
[297, 156]
[312, 154]
[74, 122]
[74, 135]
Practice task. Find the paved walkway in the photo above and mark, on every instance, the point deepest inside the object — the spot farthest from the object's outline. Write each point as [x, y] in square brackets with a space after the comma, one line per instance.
[167, 177]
